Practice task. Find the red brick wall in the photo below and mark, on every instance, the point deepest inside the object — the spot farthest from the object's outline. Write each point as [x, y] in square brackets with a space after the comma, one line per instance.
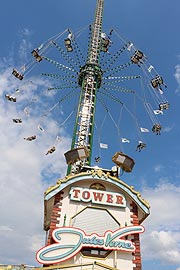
[135, 238]
[55, 215]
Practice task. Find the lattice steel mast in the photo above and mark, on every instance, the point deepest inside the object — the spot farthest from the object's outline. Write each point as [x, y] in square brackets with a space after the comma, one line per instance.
[89, 79]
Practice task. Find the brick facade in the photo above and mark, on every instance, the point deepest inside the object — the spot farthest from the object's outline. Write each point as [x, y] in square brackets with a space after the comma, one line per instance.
[137, 254]
[55, 216]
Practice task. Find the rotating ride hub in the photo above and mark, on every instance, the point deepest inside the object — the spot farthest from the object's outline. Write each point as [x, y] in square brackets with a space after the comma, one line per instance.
[90, 70]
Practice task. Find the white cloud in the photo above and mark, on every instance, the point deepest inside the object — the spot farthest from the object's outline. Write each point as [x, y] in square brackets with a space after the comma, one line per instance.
[177, 77]
[158, 168]
[161, 241]
[168, 128]
[25, 32]
[24, 49]
[162, 245]
[5, 229]
[25, 171]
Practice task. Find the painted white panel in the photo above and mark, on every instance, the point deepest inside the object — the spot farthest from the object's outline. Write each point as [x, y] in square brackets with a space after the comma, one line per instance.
[93, 220]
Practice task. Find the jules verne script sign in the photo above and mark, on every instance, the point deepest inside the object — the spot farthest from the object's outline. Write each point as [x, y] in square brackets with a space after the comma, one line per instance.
[69, 241]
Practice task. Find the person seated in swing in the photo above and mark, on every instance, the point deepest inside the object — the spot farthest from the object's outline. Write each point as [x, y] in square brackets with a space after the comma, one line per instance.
[68, 43]
[163, 106]
[17, 120]
[51, 150]
[141, 145]
[157, 82]
[10, 98]
[157, 129]
[105, 42]
[137, 57]
[97, 159]
[17, 74]
[36, 55]
[30, 138]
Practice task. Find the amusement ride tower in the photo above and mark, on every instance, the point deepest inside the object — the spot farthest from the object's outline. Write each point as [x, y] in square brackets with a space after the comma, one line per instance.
[92, 218]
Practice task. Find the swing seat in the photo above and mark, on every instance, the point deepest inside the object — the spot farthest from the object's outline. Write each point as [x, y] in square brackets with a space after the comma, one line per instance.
[17, 74]
[164, 106]
[68, 45]
[157, 81]
[136, 57]
[36, 55]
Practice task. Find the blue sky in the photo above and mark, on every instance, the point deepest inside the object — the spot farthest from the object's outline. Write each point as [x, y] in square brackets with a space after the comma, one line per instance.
[26, 171]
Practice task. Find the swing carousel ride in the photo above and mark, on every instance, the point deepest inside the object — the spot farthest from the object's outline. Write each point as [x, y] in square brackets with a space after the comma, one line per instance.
[100, 88]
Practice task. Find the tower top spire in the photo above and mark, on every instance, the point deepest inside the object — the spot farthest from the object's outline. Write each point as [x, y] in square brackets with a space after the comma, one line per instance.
[94, 48]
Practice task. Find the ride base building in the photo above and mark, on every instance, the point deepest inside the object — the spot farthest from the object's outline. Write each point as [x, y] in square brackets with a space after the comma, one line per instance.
[93, 221]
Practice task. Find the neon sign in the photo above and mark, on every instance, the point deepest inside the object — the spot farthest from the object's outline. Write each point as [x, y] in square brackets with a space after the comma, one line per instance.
[69, 241]
[97, 196]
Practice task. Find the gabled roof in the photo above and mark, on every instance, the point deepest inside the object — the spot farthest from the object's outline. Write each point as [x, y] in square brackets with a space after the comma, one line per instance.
[95, 174]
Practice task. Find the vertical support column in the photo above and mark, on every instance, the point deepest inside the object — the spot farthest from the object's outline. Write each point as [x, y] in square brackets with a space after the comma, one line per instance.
[86, 111]
[89, 80]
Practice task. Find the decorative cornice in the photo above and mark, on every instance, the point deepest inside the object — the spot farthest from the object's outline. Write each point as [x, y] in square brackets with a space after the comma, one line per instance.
[64, 180]
[98, 174]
